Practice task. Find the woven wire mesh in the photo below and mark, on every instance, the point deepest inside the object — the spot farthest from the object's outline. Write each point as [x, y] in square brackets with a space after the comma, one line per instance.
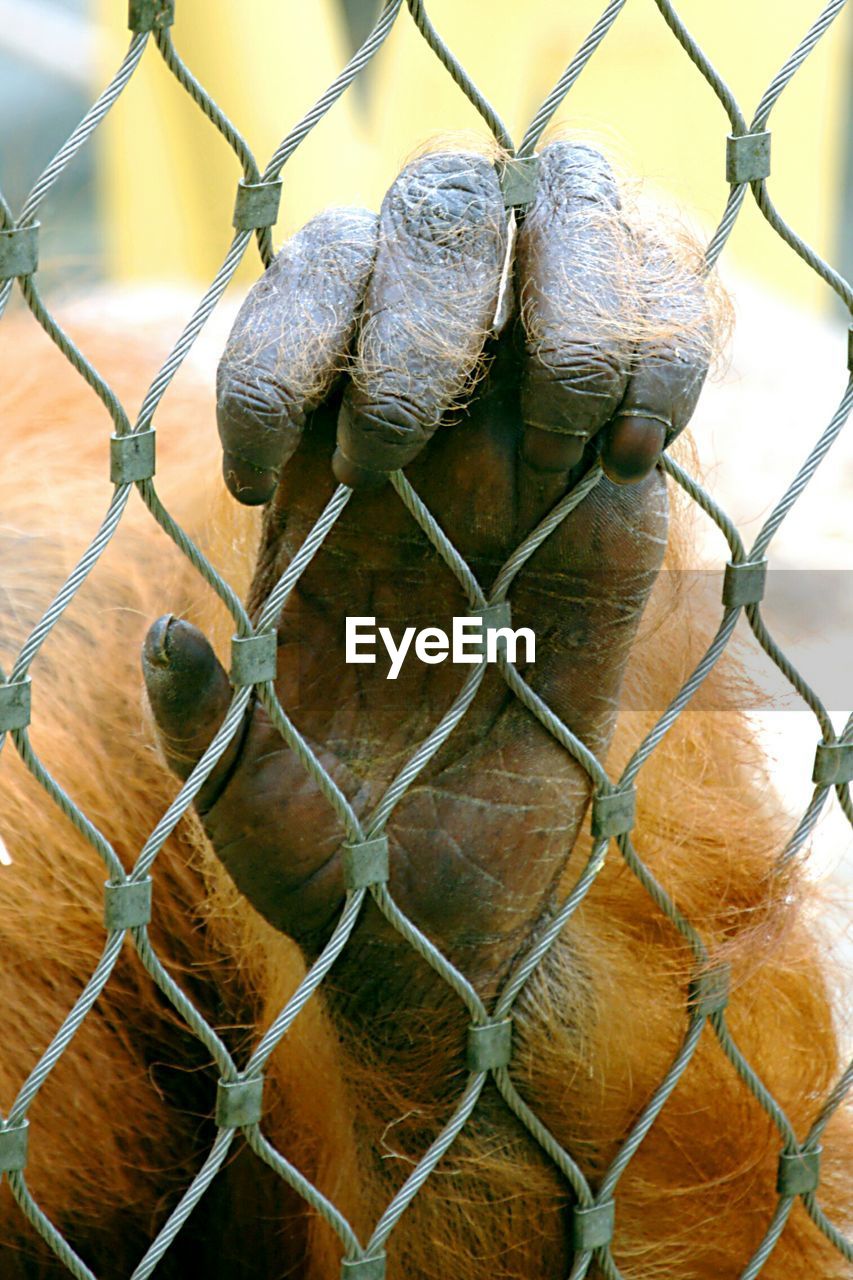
[151, 37]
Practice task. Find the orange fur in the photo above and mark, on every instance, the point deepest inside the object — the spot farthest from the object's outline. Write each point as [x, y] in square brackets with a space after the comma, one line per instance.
[125, 1117]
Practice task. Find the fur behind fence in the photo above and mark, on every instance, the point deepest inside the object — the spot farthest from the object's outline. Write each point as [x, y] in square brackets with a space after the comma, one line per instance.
[124, 1119]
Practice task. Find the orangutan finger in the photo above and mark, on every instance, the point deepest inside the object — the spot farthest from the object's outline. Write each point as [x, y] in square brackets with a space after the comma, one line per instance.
[429, 306]
[289, 340]
[572, 249]
[670, 364]
[189, 695]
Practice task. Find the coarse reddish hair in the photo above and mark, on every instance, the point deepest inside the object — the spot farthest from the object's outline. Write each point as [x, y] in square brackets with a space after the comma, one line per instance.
[124, 1120]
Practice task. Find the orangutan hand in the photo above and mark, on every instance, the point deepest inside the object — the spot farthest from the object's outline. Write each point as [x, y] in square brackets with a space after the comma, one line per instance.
[368, 346]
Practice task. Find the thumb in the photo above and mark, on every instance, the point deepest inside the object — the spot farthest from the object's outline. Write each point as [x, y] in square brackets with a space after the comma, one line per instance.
[189, 694]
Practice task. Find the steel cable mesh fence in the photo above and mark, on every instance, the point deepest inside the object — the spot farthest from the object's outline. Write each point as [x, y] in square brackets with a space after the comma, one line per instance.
[128, 896]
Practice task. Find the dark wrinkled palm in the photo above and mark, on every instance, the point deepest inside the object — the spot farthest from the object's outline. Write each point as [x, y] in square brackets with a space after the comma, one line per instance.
[369, 346]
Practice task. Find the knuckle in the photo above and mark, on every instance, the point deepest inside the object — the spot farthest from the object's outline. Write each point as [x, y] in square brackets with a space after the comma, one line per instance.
[251, 407]
[577, 385]
[447, 206]
[582, 368]
[381, 431]
[390, 417]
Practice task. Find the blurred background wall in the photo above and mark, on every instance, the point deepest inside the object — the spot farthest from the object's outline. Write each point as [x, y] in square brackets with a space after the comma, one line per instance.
[152, 198]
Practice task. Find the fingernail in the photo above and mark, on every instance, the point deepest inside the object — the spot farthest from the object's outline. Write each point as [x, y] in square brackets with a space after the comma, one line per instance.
[155, 648]
[632, 448]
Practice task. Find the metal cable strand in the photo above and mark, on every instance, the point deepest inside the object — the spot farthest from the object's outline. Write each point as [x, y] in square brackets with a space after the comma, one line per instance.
[5, 732]
[805, 827]
[543, 530]
[200, 1028]
[6, 286]
[681, 699]
[72, 584]
[5, 293]
[580, 1265]
[771, 1238]
[830, 1106]
[718, 240]
[762, 115]
[662, 900]
[63, 801]
[607, 1266]
[192, 329]
[736, 117]
[653, 1108]
[193, 784]
[548, 108]
[356, 64]
[309, 984]
[45, 1228]
[845, 799]
[835, 281]
[460, 76]
[842, 790]
[439, 1148]
[429, 952]
[703, 63]
[187, 1203]
[306, 757]
[425, 752]
[7, 222]
[824, 1224]
[552, 722]
[707, 504]
[312, 765]
[542, 945]
[543, 1136]
[214, 113]
[70, 1026]
[265, 1151]
[753, 1082]
[783, 77]
[266, 692]
[439, 539]
[84, 129]
[74, 356]
[789, 671]
[196, 557]
[202, 99]
[323, 525]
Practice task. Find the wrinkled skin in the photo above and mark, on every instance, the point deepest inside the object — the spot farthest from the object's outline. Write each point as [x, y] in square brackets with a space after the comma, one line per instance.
[354, 356]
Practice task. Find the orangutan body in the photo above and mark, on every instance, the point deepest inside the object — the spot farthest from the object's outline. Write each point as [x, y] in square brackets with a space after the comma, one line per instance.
[605, 362]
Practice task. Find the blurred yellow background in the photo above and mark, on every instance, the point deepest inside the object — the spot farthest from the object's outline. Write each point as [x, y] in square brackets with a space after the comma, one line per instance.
[169, 179]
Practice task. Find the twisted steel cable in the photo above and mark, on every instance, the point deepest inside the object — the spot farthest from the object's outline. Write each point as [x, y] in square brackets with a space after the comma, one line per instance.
[356, 828]
[567, 80]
